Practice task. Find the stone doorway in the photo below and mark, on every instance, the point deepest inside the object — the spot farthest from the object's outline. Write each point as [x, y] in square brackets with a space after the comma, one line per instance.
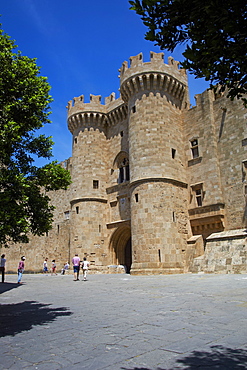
[120, 248]
[128, 256]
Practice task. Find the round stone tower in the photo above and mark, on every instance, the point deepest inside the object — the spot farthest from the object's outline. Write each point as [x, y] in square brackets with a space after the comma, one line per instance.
[87, 123]
[157, 94]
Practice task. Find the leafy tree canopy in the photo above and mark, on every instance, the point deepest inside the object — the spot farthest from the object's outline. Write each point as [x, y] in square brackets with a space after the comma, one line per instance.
[215, 34]
[24, 108]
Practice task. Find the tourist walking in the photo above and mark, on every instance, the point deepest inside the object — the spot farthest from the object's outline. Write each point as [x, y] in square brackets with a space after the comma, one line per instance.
[2, 266]
[21, 267]
[76, 266]
[85, 266]
[53, 267]
[45, 266]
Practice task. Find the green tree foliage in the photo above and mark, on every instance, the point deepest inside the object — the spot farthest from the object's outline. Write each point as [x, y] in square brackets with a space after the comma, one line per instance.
[215, 34]
[24, 108]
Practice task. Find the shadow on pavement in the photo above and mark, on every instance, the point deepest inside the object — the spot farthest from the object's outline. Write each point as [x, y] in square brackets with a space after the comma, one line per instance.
[15, 318]
[4, 287]
[220, 358]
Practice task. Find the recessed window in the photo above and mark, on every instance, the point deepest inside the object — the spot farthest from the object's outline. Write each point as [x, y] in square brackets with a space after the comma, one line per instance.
[75, 140]
[199, 197]
[95, 184]
[124, 174]
[194, 148]
[77, 210]
[134, 109]
[121, 133]
[66, 215]
[136, 197]
[58, 229]
[173, 153]
[198, 194]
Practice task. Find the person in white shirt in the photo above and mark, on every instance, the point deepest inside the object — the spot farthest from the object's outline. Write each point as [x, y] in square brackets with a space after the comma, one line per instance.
[85, 266]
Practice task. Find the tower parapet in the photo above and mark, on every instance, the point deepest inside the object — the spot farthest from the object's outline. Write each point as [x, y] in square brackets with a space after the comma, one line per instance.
[94, 112]
[153, 75]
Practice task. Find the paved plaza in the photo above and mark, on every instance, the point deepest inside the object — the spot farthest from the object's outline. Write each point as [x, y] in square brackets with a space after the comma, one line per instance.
[113, 322]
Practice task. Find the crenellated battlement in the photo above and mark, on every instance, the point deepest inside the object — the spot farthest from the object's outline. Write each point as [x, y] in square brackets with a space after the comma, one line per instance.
[155, 74]
[156, 64]
[94, 113]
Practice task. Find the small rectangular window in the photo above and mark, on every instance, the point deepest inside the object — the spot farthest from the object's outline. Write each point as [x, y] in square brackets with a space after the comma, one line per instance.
[121, 133]
[95, 184]
[77, 210]
[173, 153]
[194, 148]
[66, 215]
[197, 194]
[136, 197]
[134, 109]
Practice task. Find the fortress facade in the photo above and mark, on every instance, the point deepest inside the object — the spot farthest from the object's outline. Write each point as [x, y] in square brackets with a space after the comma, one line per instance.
[157, 186]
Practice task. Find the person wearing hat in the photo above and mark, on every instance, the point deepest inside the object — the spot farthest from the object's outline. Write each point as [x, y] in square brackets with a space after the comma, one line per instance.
[21, 269]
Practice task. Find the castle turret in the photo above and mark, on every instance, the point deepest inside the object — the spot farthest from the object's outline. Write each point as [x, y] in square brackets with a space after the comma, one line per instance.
[87, 123]
[156, 94]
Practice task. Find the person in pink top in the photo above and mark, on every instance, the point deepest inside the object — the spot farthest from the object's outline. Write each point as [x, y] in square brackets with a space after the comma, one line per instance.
[76, 264]
[21, 269]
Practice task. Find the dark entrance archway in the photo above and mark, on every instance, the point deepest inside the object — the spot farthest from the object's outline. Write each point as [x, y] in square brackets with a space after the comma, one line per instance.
[120, 247]
[128, 256]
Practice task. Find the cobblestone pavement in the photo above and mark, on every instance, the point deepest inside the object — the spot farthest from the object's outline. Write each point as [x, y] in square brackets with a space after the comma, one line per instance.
[112, 322]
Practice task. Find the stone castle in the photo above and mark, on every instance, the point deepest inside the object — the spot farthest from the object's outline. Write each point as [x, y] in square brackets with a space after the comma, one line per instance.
[157, 186]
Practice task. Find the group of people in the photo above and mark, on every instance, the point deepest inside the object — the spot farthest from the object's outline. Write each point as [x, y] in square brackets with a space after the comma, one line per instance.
[76, 261]
[54, 267]
[21, 266]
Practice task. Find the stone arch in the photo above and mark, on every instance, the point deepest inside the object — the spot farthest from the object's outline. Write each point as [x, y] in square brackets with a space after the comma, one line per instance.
[121, 162]
[120, 247]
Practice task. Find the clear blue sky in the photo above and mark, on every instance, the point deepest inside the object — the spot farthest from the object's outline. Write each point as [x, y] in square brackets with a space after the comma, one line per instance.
[79, 45]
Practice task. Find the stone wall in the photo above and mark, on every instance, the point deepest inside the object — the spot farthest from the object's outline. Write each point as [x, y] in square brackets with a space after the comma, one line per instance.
[225, 252]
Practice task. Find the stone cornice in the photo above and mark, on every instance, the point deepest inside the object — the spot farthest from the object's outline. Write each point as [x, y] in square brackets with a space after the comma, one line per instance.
[180, 184]
[88, 199]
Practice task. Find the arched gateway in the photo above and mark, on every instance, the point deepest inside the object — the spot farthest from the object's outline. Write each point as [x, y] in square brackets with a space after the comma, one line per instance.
[120, 247]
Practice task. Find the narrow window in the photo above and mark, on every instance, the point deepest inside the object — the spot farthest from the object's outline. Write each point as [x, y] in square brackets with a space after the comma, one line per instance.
[58, 229]
[159, 255]
[99, 228]
[121, 133]
[173, 216]
[77, 210]
[121, 174]
[124, 174]
[134, 109]
[136, 197]
[75, 140]
[95, 184]
[173, 153]
[194, 148]
[199, 197]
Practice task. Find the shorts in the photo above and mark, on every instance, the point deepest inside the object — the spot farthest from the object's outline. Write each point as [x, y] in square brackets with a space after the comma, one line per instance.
[45, 269]
[76, 268]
